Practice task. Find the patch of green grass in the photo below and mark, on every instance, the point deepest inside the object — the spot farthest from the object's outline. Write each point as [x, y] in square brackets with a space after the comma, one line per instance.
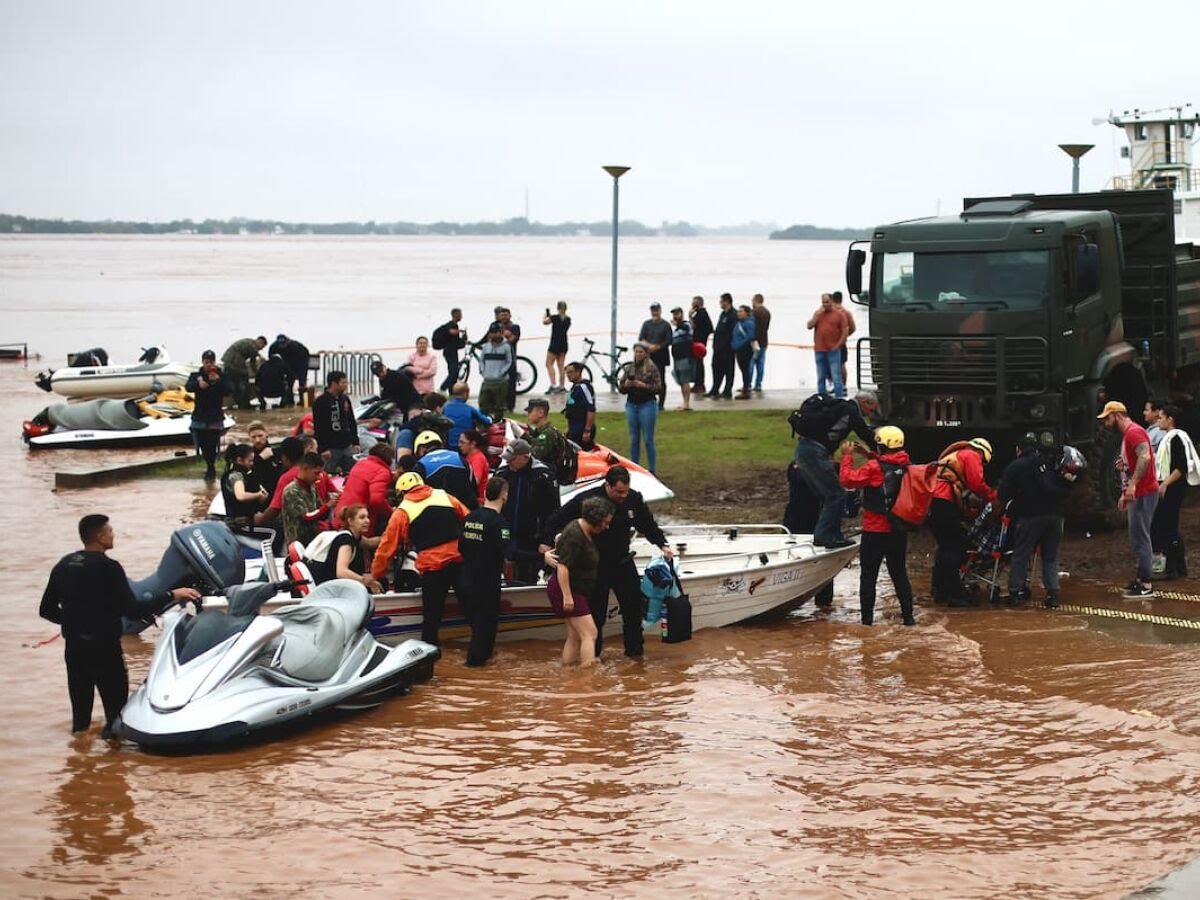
[707, 444]
[699, 447]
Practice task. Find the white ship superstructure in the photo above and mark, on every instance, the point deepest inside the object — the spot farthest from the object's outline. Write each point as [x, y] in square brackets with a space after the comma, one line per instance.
[1160, 155]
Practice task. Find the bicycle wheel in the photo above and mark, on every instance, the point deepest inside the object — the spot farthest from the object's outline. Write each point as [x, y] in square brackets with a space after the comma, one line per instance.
[585, 372]
[464, 369]
[620, 373]
[527, 374]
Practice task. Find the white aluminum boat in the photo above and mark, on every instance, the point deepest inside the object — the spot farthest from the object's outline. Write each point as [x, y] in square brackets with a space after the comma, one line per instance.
[733, 574]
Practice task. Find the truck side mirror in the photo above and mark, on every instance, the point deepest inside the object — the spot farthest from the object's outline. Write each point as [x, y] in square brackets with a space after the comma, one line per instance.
[1087, 270]
[854, 266]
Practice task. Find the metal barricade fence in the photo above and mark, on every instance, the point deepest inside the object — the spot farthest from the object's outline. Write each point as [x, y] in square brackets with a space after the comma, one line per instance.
[356, 365]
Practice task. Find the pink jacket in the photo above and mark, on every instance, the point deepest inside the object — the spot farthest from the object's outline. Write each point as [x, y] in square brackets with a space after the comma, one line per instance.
[423, 371]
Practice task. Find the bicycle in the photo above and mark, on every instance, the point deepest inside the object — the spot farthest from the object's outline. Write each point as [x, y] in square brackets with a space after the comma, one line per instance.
[527, 372]
[616, 368]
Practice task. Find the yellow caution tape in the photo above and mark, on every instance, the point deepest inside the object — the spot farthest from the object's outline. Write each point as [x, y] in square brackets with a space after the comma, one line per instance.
[1131, 616]
[1164, 595]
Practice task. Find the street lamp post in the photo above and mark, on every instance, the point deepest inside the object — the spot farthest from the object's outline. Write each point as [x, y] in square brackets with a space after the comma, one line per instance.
[616, 172]
[1075, 151]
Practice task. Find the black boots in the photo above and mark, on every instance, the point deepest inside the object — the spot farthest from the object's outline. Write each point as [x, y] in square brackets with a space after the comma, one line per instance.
[1017, 598]
[1174, 563]
[1051, 599]
[1177, 559]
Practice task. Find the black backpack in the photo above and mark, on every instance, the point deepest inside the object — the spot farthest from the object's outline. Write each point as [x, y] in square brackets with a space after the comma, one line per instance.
[823, 419]
[440, 336]
[567, 468]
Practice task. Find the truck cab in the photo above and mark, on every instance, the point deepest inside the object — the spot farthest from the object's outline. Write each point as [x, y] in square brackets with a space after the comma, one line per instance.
[1020, 315]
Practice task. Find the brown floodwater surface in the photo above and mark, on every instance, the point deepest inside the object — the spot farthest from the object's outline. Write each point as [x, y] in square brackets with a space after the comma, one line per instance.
[982, 753]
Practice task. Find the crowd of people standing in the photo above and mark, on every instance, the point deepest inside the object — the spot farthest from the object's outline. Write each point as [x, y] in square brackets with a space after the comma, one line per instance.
[1019, 520]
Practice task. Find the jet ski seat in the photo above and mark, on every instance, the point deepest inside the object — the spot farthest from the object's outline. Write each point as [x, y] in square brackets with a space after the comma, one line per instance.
[318, 630]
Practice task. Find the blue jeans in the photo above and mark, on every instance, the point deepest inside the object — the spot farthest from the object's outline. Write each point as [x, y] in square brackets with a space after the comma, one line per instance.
[820, 475]
[640, 417]
[757, 363]
[829, 368]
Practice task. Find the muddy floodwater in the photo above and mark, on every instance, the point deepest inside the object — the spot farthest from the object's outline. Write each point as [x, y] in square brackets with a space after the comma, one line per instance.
[982, 753]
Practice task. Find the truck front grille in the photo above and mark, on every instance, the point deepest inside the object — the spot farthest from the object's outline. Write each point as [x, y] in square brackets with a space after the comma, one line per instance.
[990, 365]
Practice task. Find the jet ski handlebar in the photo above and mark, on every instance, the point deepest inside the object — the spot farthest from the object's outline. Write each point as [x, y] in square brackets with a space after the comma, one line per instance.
[247, 599]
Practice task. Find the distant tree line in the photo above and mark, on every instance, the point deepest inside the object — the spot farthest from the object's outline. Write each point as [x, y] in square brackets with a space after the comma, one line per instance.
[817, 233]
[10, 224]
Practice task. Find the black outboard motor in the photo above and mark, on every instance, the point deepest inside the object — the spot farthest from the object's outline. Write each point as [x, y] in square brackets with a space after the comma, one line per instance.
[96, 356]
[205, 554]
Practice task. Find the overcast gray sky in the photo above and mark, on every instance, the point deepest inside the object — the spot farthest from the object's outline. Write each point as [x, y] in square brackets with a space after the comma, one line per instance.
[835, 114]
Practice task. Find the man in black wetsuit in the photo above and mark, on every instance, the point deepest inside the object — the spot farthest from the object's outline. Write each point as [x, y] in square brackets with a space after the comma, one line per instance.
[617, 572]
[87, 595]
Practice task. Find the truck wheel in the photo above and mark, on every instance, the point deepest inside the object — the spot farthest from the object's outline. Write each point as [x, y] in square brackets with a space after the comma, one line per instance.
[1127, 384]
[1094, 502]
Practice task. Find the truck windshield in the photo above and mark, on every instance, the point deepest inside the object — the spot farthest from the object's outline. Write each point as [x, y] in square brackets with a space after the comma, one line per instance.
[1009, 279]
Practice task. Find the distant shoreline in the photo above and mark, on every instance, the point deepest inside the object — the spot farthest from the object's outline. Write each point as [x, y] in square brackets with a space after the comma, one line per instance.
[817, 233]
[520, 227]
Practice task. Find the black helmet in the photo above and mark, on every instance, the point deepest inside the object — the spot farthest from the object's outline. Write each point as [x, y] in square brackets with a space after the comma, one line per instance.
[1071, 464]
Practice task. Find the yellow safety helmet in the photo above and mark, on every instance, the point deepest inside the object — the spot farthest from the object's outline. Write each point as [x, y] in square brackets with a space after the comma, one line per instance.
[890, 436]
[426, 437]
[408, 481]
[984, 446]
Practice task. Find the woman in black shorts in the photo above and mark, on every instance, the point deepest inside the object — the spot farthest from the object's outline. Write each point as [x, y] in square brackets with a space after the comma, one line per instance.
[556, 354]
[574, 579]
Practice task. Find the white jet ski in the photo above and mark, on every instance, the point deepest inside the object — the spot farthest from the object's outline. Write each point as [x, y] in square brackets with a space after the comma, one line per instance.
[154, 367]
[229, 675]
[113, 423]
[221, 677]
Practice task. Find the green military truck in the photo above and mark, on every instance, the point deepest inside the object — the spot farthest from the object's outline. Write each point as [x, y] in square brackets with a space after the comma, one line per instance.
[1023, 314]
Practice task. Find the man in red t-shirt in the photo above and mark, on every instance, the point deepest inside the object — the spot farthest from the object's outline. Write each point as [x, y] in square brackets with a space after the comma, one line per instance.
[1140, 494]
[830, 328]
